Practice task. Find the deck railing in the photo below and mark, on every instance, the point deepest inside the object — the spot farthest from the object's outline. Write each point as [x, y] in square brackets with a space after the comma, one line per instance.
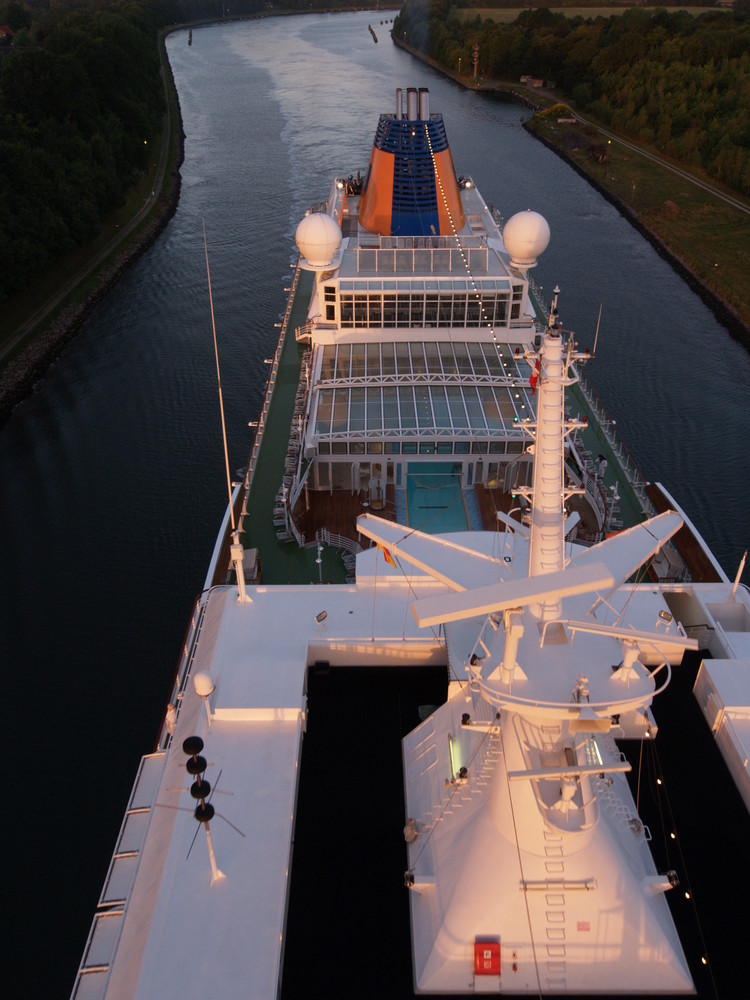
[619, 449]
[335, 541]
[263, 417]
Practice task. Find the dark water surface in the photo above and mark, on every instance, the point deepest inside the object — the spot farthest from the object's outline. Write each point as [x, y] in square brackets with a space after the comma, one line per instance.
[112, 485]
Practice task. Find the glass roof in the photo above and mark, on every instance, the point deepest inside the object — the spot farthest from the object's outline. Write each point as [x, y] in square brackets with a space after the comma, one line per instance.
[399, 389]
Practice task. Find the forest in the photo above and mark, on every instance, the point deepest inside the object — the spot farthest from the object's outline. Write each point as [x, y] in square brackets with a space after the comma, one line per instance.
[82, 100]
[675, 81]
[81, 105]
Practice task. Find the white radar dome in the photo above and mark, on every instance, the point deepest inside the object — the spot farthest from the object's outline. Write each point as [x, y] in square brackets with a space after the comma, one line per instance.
[203, 684]
[526, 237]
[318, 239]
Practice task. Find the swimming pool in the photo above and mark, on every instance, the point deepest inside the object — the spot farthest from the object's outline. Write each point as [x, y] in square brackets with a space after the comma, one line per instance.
[434, 500]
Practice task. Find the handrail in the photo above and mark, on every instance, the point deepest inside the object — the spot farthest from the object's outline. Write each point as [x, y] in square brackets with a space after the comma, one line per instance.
[618, 446]
[337, 541]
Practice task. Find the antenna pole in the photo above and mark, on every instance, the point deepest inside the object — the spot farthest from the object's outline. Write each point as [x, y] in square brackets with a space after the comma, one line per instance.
[738, 577]
[596, 335]
[236, 547]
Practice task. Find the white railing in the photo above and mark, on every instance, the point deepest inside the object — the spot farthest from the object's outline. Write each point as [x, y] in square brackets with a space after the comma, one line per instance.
[253, 461]
[335, 541]
[619, 450]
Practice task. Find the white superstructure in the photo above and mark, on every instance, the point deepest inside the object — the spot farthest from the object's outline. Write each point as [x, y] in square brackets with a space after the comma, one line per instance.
[528, 867]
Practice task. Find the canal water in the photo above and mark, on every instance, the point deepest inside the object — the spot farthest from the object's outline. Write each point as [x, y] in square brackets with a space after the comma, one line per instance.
[112, 485]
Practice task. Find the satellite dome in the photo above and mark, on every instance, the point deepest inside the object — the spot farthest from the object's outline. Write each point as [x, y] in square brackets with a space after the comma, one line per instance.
[526, 237]
[318, 239]
[203, 684]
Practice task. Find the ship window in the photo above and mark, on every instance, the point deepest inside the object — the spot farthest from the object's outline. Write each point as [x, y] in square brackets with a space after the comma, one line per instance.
[323, 416]
[417, 310]
[392, 448]
[497, 447]
[473, 312]
[424, 409]
[493, 361]
[374, 410]
[445, 447]
[448, 358]
[430, 310]
[388, 363]
[433, 359]
[373, 358]
[417, 359]
[459, 310]
[358, 360]
[477, 359]
[406, 405]
[515, 447]
[356, 410]
[456, 405]
[490, 407]
[461, 447]
[366, 260]
[376, 310]
[402, 310]
[324, 448]
[445, 310]
[403, 364]
[409, 448]
[330, 293]
[426, 447]
[375, 448]
[440, 407]
[338, 448]
[390, 408]
[347, 310]
[479, 447]
[343, 361]
[389, 310]
[474, 408]
[340, 410]
[329, 358]
[356, 447]
[462, 357]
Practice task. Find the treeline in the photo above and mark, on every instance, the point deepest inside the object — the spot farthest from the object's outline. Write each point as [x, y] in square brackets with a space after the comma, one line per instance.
[81, 102]
[675, 81]
[81, 106]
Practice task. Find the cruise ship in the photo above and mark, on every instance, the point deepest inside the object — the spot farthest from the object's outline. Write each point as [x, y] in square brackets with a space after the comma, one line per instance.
[432, 486]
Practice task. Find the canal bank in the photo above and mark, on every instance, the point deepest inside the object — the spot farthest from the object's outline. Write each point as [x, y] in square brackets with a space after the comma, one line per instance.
[538, 100]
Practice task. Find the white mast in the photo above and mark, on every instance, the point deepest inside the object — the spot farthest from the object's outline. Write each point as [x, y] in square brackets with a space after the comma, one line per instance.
[546, 551]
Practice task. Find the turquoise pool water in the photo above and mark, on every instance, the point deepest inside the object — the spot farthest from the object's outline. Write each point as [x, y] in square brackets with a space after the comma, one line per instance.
[433, 497]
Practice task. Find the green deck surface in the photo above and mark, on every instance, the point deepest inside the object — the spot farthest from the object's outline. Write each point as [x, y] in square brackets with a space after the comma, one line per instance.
[631, 509]
[284, 562]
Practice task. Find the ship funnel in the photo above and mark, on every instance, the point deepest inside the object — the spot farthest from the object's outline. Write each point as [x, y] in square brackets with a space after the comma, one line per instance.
[411, 104]
[424, 104]
[411, 187]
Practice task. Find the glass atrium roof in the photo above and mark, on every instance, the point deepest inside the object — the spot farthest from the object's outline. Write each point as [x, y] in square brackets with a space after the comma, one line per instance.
[399, 389]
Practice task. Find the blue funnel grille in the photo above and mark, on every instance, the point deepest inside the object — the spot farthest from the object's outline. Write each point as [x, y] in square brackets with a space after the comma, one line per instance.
[415, 209]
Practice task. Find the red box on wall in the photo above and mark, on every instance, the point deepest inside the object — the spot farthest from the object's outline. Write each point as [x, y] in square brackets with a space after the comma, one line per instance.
[486, 958]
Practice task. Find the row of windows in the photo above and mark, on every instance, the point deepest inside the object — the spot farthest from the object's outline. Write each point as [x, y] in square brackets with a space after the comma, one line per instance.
[446, 309]
[421, 447]
[374, 360]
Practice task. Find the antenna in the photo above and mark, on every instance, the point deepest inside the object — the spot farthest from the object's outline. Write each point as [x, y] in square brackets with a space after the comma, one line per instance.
[596, 335]
[738, 577]
[236, 547]
[200, 789]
